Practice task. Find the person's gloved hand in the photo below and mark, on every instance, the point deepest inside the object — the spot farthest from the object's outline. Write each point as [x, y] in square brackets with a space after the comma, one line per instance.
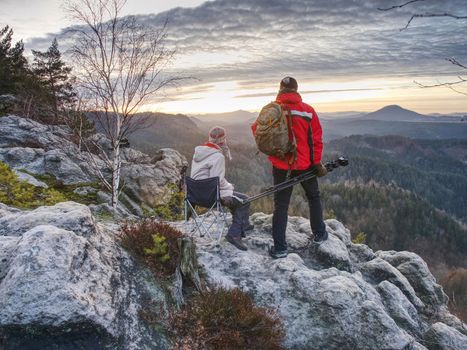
[320, 170]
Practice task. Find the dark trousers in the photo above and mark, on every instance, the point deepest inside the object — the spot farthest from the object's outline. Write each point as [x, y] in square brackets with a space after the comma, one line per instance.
[240, 214]
[281, 206]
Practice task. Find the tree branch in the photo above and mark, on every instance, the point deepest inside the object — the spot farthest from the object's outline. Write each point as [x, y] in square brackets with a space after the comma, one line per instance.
[399, 6]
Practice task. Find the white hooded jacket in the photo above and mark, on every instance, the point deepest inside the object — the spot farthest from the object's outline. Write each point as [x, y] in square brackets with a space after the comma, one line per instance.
[210, 162]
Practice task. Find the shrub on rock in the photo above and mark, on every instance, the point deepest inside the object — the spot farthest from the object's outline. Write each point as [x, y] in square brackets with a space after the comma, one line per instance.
[228, 320]
[153, 243]
[22, 194]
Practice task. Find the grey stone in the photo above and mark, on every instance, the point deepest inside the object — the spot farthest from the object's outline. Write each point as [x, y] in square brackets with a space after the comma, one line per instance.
[7, 247]
[360, 253]
[66, 290]
[400, 308]
[6, 210]
[85, 190]
[69, 216]
[443, 337]
[378, 270]
[417, 273]
[47, 150]
[338, 229]
[30, 179]
[333, 252]
[321, 308]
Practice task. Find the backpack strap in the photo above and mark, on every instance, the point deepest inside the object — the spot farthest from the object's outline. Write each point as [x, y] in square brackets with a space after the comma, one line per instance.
[292, 156]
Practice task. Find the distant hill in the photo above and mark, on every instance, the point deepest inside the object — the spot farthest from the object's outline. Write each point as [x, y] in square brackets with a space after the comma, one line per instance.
[396, 113]
[334, 129]
[389, 120]
[229, 118]
[340, 115]
[433, 169]
[166, 130]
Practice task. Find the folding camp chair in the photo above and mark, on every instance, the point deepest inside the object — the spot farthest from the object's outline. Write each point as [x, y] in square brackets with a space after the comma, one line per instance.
[206, 194]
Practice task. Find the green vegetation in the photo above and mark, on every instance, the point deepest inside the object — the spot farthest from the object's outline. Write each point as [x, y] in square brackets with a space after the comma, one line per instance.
[228, 320]
[21, 194]
[67, 191]
[433, 169]
[40, 89]
[396, 219]
[169, 205]
[360, 238]
[214, 319]
[159, 250]
[154, 244]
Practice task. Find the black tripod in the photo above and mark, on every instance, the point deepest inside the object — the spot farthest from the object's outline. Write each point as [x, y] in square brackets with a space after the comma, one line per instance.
[330, 166]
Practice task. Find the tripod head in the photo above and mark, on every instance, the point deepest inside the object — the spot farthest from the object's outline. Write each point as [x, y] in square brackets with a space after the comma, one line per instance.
[341, 161]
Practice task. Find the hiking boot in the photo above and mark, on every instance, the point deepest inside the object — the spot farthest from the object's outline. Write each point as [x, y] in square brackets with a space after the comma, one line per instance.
[237, 242]
[320, 238]
[277, 254]
[246, 228]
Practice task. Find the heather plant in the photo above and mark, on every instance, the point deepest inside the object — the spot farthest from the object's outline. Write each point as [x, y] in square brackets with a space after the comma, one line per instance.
[228, 320]
[154, 244]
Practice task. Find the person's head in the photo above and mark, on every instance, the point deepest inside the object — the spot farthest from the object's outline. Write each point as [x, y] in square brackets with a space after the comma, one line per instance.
[288, 84]
[218, 136]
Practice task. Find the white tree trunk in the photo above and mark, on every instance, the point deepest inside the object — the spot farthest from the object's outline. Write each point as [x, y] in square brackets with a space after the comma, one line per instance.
[116, 162]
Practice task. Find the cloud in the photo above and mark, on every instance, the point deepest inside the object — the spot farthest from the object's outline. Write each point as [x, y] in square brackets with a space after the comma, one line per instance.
[259, 41]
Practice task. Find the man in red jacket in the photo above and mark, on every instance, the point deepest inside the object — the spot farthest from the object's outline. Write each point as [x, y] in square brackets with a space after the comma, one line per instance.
[308, 134]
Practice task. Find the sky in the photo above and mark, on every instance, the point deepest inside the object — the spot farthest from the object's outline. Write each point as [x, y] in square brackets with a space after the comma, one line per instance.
[345, 54]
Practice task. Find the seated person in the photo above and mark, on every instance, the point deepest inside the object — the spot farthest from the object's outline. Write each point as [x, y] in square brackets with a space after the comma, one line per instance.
[209, 161]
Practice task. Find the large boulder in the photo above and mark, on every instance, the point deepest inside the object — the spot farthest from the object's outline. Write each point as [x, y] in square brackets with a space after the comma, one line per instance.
[65, 283]
[338, 295]
[69, 216]
[48, 150]
[443, 337]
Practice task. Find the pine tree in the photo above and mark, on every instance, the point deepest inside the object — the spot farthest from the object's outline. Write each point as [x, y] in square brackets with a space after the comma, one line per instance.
[54, 75]
[13, 64]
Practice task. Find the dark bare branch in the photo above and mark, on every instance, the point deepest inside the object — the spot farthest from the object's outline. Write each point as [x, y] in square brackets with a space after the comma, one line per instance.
[399, 6]
[452, 85]
[427, 15]
[456, 62]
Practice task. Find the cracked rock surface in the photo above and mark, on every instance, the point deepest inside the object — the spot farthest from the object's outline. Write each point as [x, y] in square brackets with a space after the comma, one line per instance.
[337, 295]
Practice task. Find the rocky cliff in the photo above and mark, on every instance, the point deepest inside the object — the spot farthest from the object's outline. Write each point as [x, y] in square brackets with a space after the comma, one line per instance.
[338, 295]
[33, 148]
[65, 282]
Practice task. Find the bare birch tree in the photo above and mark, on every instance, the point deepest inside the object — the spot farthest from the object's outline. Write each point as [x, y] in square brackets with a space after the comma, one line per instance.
[120, 63]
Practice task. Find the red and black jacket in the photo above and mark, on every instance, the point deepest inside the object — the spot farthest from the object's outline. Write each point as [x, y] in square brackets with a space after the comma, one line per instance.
[307, 130]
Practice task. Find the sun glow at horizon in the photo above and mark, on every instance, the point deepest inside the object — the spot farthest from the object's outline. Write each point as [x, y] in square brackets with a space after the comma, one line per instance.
[326, 96]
